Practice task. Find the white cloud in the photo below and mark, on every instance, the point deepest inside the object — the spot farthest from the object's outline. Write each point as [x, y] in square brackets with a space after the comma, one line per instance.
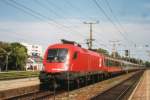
[45, 34]
[38, 32]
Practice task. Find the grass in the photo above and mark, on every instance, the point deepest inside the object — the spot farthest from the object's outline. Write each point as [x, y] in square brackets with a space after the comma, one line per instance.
[18, 74]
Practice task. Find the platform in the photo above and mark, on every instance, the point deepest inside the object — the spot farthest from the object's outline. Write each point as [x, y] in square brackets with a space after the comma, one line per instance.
[142, 91]
[18, 83]
[12, 88]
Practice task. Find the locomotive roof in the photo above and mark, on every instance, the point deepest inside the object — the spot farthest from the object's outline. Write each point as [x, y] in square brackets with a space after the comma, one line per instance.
[60, 45]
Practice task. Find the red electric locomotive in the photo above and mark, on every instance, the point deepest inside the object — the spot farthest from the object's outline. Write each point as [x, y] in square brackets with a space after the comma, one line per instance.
[69, 58]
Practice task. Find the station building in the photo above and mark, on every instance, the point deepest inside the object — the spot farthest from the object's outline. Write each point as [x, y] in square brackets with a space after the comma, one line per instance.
[33, 50]
[34, 61]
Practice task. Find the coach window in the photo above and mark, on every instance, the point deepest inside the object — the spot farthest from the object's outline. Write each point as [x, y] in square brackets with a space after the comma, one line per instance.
[75, 55]
[107, 62]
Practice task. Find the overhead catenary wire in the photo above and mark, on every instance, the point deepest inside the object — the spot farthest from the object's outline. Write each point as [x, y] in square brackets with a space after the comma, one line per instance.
[71, 5]
[49, 20]
[102, 44]
[115, 17]
[36, 14]
[109, 19]
[46, 8]
[26, 10]
[82, 12]
[23, 10]
[79, 10]
[32, 12]
[55, 13]
[38, 17]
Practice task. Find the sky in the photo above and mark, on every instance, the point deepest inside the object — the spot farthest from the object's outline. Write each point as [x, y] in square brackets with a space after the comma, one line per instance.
[45, 22]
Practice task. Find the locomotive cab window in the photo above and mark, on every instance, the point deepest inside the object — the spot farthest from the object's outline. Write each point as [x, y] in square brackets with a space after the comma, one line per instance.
[75, 55]
[57, 55]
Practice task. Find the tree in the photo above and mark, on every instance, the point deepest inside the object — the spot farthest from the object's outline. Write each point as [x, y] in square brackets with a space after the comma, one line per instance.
[103, 51]
[147, 64]
[18, 56]
[4, 50]
[12, 56]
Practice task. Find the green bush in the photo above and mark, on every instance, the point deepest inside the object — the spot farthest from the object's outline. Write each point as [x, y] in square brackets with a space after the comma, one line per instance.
[18, 74]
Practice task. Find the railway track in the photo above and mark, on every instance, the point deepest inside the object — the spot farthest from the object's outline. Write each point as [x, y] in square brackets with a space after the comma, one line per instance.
[47, 94]
[121, 91]
[38, 95]
[32, 96]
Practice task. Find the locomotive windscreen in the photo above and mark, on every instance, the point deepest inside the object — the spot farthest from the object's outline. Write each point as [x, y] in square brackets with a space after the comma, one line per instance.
[57, 55]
